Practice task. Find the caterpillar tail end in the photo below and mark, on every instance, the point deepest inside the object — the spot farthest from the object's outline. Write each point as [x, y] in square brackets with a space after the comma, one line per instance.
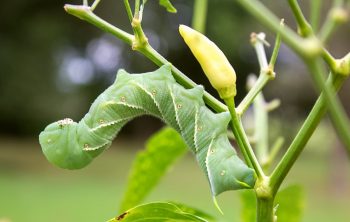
[60, 145]
[217, 205]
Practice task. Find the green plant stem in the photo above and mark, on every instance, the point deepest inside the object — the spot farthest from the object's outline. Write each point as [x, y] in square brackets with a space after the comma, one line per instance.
[258, 41]
[302, 137]
[94, 5]
[301, 47]
[335, 17]
[306, 47]
[261, 128]
[266, 70]
[137, 9]
[276, 48]
[327, 28]
[253, 92]
[260, 124]
[315, 10]
[338, 115]
[259, 11]
[328, 58]
[266, 74]
[276, 147]
[84, 13]
[128, 10]
[141, 40]
[265, 209]
[242, 139]
[200, 15]
[304, 27]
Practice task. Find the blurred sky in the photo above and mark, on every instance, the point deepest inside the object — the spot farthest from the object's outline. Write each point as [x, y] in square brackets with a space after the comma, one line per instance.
[53, 65]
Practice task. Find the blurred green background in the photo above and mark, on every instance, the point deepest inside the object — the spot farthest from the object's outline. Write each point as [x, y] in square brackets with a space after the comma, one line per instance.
[53, 66]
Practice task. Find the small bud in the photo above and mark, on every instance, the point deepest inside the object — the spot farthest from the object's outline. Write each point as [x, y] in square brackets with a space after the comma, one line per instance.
[343, 65]
[339, 15]
[212, 60]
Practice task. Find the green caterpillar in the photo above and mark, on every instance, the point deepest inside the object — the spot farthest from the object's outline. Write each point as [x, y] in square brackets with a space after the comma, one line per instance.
[72, 145]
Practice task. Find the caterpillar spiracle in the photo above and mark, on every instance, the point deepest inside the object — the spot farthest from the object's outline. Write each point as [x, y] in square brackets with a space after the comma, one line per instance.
[72, 145]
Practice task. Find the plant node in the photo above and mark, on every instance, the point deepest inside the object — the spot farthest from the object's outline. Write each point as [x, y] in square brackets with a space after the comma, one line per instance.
[342, 66]
[140, 40]
[263, 188]
[312, 47]
[270, 72]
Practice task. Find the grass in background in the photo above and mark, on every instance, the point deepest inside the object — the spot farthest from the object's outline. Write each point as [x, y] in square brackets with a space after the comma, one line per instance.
[32, 190]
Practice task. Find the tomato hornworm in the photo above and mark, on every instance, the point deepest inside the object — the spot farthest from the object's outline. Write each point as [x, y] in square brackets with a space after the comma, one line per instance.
[72, 145]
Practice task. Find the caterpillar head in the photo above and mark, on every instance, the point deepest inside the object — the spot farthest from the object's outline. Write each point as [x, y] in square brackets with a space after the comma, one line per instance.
[61, 147]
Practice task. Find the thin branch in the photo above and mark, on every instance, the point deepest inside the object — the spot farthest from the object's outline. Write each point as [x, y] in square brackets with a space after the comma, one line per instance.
[200, 15]
[315, 11]
[308, 47]
[337, 15]
[242, 140]
[94, 5]
[266, 71]
[128, 10]
[304, 27]
[276, 147]
[261, 127]
[137, 9]
[276, 48]
[85, 13]
[303, 136]
[338, 115]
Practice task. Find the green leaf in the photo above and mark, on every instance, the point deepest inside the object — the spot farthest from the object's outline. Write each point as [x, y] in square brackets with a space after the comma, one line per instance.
[193, 211]
[167, 4]
[290, 204]
[162, 150]
[159, 212]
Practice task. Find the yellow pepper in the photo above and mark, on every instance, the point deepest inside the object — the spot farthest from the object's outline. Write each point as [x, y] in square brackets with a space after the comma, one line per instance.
[214, 63]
